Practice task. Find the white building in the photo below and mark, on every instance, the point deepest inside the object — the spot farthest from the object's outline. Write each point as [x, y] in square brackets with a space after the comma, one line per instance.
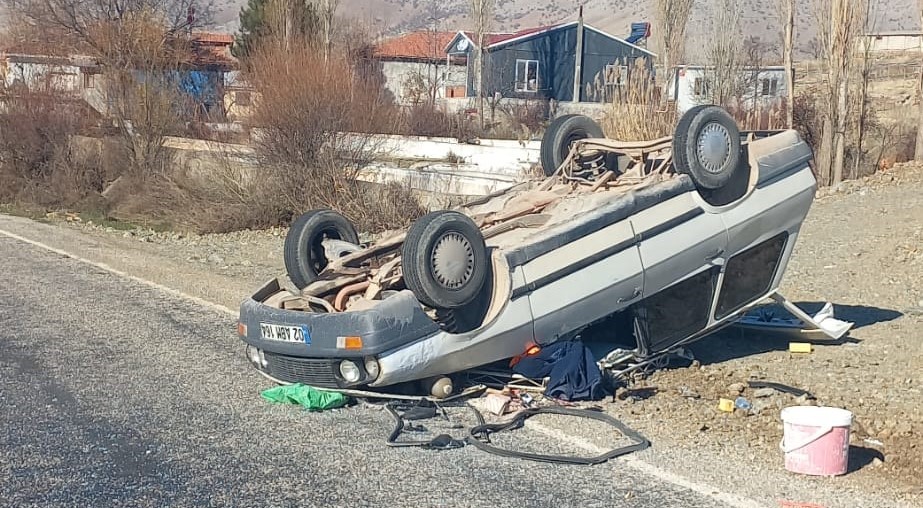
[41, 72]
[893, 42]
[765, 87]
[416, 68]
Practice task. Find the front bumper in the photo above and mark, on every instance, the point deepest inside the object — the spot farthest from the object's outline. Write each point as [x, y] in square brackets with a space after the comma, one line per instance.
[392, 324]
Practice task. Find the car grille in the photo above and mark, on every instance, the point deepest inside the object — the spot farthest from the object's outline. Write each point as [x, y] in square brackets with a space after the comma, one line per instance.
[307, 371]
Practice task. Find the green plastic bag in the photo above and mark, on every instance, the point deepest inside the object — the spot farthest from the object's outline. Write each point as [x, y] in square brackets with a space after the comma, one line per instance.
[309, 397]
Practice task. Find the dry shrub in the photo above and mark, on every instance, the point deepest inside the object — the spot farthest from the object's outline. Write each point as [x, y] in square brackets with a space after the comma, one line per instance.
[519, 119]
[311, 118]
[757, 117]
[886, 142]
[635, 110]
[807, 117]
[37, 163]
[427, 120]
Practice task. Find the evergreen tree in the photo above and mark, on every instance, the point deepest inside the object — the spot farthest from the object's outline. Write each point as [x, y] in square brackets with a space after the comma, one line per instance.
[275, 19]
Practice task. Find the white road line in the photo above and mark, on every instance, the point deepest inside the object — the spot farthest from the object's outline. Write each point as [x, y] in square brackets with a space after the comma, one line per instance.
[633, 462]
[650, 469]
[103, 266]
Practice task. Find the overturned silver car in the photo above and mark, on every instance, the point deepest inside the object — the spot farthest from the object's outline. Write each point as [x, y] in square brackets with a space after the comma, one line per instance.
[656, 243]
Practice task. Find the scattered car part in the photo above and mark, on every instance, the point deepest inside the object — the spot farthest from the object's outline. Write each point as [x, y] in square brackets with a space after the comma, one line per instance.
[422, 410]
[560, 137]
[779, 387]
[445, 259]
[800, 347]
[707, 146]
[821, 326]
[440, 442]
[480, 436]
[305, 256]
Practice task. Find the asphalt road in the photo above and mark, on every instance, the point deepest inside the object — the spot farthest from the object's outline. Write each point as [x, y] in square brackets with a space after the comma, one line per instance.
[116, 394]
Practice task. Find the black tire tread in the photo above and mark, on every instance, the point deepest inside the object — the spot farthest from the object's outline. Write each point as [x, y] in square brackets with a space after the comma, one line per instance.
[681, 138]
[416, 268]
[556, 134]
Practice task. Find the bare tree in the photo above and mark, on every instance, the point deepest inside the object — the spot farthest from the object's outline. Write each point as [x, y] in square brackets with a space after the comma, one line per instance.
[328, 10]
[93, 22]
[839, 21]
[750, 80]
[787, 17]
[140, 44]
[918, 153]
[482, 15]
[862, 89]
[672, 18]
[723, 76]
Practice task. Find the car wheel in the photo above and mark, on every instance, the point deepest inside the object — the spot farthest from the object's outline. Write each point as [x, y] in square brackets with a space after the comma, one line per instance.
[469, 317]
[706, 146]
[561, 134]
[304, 250]
[445, 260]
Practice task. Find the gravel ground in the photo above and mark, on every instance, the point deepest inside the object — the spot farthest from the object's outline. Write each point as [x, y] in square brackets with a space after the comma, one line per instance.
[861, 248]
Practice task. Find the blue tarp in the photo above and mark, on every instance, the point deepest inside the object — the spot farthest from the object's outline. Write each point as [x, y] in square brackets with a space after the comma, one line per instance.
[571, 368]
[639, 31]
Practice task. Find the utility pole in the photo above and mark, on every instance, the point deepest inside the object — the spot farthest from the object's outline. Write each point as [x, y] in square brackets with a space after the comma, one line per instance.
[578, 58]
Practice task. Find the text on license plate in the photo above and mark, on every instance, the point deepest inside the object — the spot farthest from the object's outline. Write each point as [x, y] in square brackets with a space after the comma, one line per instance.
[283, 333]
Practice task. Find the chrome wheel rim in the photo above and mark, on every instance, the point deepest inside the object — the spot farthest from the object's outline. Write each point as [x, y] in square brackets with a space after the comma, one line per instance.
[453, 261]
[713, 147]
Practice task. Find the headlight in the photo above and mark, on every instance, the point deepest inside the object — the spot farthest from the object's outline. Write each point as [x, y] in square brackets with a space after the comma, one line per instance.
[371, 366]
[350, 371]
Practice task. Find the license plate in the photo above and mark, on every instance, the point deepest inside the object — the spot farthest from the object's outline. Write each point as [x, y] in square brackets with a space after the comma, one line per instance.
[282, 333]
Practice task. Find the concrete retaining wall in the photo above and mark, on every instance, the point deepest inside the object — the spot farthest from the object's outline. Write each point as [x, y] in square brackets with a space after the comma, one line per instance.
[480, 169]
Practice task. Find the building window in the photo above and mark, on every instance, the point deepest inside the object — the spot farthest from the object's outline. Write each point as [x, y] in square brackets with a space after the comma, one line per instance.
[769, 87]
[89, 80]
[617, 75]
[699, 87]
[526, 75]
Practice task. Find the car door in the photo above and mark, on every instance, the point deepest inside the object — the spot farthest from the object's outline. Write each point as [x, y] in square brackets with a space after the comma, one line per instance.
[677, 239]
[584, 280]
[682, 248]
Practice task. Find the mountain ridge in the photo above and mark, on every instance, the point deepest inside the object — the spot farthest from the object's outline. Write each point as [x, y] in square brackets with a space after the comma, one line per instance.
[758, 18]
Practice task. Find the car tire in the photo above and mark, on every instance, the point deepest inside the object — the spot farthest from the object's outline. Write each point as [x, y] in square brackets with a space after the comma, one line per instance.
[304, 250]
[706, 146]
[445, 260]
[560, 135]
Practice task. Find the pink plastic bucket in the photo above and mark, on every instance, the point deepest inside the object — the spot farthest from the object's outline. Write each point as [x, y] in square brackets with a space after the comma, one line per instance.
[816, 440]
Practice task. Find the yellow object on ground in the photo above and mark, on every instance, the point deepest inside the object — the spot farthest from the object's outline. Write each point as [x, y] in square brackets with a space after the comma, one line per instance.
[800, 347]
[726, 405]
